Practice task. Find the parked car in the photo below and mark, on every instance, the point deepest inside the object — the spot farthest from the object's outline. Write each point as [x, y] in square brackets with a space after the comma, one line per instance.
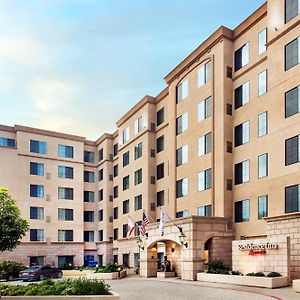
[9, 270]
[40, 273]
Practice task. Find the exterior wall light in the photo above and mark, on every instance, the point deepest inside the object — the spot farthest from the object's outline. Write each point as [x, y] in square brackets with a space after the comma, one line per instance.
[182, 238]
[140, 244]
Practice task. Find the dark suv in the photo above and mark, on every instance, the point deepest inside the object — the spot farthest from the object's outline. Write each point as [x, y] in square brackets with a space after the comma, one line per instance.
[40, 273]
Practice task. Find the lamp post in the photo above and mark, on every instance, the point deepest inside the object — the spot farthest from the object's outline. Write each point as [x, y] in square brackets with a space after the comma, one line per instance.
[182, 237]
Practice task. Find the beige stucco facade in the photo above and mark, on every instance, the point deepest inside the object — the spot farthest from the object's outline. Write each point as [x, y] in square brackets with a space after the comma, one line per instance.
[219, 197]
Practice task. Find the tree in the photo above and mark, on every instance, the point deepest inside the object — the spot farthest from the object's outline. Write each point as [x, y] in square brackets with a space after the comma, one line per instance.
[12, 226]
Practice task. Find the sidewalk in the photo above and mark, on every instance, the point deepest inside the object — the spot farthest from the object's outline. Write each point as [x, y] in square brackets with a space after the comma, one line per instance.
[280, 293]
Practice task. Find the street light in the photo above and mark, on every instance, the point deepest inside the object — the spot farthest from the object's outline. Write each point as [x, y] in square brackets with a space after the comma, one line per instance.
[182, 237]
[140, 244]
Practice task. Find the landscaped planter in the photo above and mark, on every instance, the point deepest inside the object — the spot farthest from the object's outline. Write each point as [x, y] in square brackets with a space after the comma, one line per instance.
[296, 285]
[266, 282]
[114, 296]
[107, 276]
[77, 272]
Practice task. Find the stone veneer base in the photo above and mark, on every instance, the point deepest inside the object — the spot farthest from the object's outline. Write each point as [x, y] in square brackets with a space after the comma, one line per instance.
[107, 276]
[265, 282]
[296, 285]
[165, 274]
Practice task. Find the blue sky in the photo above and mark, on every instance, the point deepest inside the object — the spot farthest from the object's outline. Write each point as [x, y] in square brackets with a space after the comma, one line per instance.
[77, 66]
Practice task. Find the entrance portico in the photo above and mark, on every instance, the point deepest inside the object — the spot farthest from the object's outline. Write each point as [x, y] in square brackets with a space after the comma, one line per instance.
[187, 260]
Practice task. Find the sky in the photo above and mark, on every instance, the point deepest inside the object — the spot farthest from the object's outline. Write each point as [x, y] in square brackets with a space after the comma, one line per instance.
[77, 66]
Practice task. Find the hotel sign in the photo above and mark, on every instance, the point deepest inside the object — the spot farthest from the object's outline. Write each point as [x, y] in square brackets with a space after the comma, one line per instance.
[257, 249]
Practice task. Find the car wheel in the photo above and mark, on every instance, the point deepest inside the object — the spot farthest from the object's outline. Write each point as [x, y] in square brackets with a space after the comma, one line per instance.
[59, 275]
[42, 277]
[10, 278]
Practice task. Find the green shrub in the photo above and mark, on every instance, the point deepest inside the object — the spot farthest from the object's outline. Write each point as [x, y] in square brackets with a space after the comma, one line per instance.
[237, 273]
[257, 274]
[274, 274]
[217, 267]
[50, 288]
[8, 267]
[111, 267]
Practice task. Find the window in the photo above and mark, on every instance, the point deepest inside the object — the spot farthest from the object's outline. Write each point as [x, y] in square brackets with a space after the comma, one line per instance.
[160, 173]
[241, 57]
[65, 172]
[126, 183]
[204, 180]
[182, 155]
[65, 214]
[138, 200]
[116, 234]
[116, 213]
[65, 193]
[126, 260]
[100, 154]
[228, 146]
[241, 134]
[229, 109]
[65, 151]
[116, 149]
[181, 214]
[262, 207]
[6, 142]
[204, 144]
[100, 215]
[292, 198]
[263, 124]
[292, 102]
[88, 236]
[292, 150]
[37, 191]
[126, 159]
[160, 198]
[100, 195]
[36, 261]
[100, 175]
[125, 207]
[292, 54]
[65, 260]
[204, 74]
[89, 176]
[116, 170]
[125, 135]
[262, 83]
[88, 216]
[182, 187]
[242, 211]
[292, 9]
[116, 191]
[242, 172]
[263, 165]
[136, 258]
[65, 235]
[138, 151]
[182, 123]
[37, 235]
[38, 147]
[242, 95]
[36, 213]
[204, 109]
[182, 91]
[88, 196]
[204, 211]
[138, 125]
[160, 144]
[138, 177]
[262, 41]
[125, 229]
[100, 235]
[89, 156]
[160, 116]
[115, 258]
[37, 169]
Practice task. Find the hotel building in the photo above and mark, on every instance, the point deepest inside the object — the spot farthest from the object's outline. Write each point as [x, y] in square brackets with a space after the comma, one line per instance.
[218, 150]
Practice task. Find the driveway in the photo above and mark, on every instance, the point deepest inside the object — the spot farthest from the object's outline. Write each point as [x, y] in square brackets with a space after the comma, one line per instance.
[136, 288]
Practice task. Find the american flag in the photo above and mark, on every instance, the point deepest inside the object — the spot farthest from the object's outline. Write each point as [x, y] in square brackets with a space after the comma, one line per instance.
[145, 222]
